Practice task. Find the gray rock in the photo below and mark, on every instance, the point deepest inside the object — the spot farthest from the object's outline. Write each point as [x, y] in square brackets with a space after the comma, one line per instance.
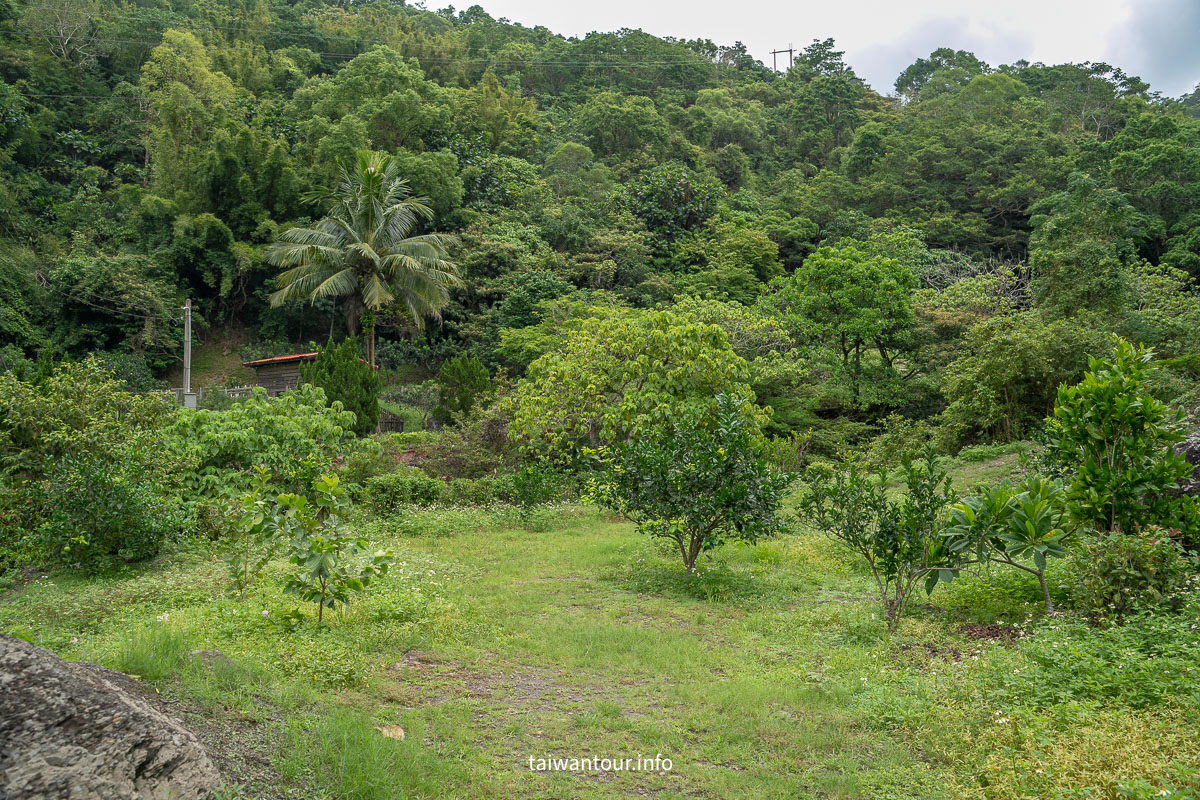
[76, 731]
[1190, 449]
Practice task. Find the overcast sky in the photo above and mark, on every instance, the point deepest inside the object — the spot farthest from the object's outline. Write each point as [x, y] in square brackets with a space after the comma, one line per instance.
[1158, 40]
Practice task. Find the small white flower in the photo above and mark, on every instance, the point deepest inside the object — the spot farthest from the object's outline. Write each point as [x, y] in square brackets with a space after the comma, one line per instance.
[74, 640]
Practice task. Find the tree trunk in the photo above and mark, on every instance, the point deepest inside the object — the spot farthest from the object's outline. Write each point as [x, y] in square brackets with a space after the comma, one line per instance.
[370, 330]
[1041, 576]
[692, 552]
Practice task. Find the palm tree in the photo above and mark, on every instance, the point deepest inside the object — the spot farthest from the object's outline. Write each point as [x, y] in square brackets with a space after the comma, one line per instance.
[362, 251]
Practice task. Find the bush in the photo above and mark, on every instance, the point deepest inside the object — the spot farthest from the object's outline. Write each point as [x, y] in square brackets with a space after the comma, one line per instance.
[899, 435]
[900, 540]
[693, 485]
[370, 458]
[71, 434]
[296, 436]
[1117, 441]
[1142, 664]
[474, 449]
[79, 408]
[477, 491]
[463, 383]
[387, 494]
[788, 454]
[536, 484]
[347, 379]
[103, 510]
[1116, 575]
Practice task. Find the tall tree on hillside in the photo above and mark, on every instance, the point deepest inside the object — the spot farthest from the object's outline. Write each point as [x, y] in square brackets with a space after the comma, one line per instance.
[1083, 248]
[363, 253]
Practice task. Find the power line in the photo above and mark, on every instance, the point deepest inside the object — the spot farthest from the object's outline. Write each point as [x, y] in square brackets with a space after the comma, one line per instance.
[698, 62]
[45, 284]
[203, 26]
[207, 25]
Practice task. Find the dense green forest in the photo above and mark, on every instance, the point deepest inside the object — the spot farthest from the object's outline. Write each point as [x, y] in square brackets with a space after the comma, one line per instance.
[930, 262]
[834, 441]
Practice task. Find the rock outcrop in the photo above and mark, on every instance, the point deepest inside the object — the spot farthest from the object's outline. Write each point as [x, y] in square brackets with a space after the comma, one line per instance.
[74, 731]
[1190, 449]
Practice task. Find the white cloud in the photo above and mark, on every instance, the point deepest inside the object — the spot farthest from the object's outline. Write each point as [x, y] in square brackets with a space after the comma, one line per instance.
[1151, 38]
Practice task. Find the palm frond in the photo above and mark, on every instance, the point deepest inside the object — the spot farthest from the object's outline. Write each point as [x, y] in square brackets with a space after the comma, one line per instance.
[339, 284]
[363, 248]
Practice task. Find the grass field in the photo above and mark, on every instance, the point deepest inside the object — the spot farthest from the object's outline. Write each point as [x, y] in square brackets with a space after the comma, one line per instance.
[767, 675]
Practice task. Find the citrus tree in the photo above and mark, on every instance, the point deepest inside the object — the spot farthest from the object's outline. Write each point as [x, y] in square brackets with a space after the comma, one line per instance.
[627, 375]
[697, 484]
[901, 539]
[1117, 439]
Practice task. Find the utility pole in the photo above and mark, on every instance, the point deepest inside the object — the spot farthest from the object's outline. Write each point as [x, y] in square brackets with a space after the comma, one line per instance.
[789, 51]
[187, 346]
[189, 400]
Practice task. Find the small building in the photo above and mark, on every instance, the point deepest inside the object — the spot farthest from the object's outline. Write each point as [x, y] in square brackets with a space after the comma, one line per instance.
[279, 374]
[282, 373]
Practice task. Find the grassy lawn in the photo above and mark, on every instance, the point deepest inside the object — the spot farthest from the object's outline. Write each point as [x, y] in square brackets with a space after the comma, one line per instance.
[768, 675]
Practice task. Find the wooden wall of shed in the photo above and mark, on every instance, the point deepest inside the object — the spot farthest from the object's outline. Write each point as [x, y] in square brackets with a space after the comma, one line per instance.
[278, 378]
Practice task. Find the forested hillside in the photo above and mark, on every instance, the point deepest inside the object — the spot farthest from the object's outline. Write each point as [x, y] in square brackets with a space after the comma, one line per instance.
[947, 250]
[825, 440]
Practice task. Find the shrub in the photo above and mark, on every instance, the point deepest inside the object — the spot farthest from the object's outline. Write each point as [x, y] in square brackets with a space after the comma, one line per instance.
[697, 486]
[387, 494]
[78, 408]
[476, 492]
[1141, 664]
[369, 458]
[463, 383]
[475, 448]
[103, 509]
[899, 435]
[1118, 441]
[296, 436]
[536, 484]
[1115, 574]
[327, 561]
[1011, 525]
[901, 541]
[790, 453]
[63, 429]
[346, 378]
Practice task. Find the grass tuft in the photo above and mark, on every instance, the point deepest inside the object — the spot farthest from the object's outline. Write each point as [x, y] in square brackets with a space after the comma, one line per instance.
[152, 653]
